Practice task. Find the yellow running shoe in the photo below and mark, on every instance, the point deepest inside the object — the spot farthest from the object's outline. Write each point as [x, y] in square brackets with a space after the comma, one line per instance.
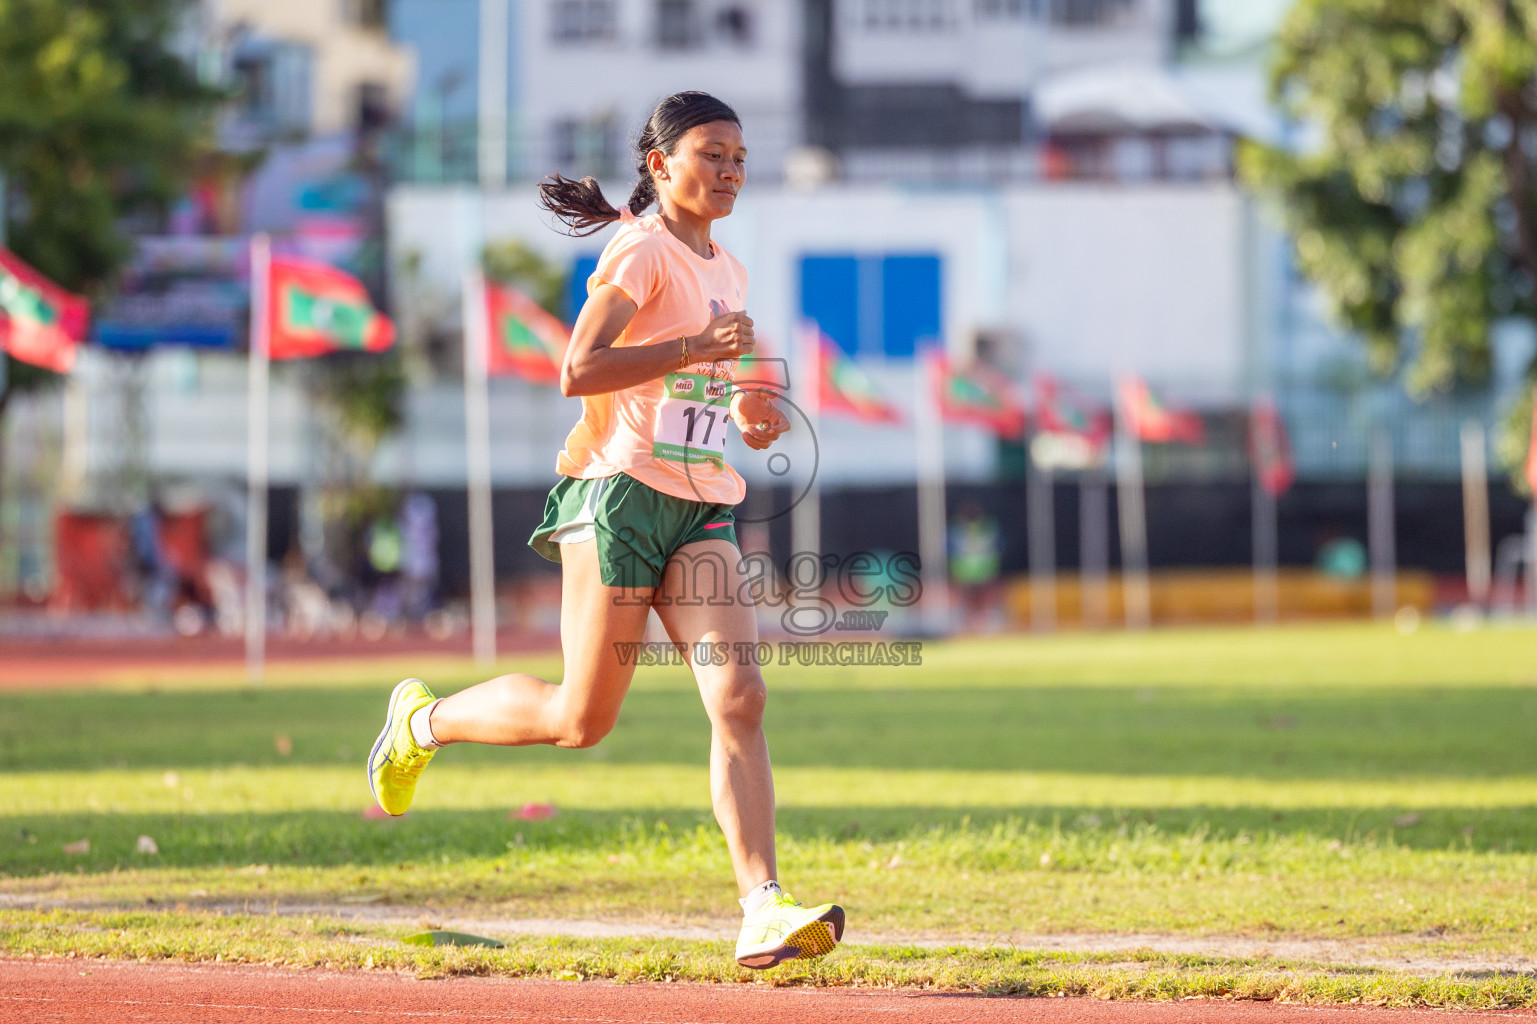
[782, 930]
[396, 760]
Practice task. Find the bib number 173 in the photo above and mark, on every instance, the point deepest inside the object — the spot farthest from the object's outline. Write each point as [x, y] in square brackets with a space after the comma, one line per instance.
[691, 421]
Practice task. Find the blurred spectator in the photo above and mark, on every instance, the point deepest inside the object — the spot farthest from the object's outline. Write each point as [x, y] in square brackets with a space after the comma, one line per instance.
[157, 580]
[308, 609]
[418, 555]
[1343, 558]
[382, 549]
[975, 555]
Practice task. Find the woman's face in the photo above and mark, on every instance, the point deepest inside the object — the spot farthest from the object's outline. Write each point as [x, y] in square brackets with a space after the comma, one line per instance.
[705, 171]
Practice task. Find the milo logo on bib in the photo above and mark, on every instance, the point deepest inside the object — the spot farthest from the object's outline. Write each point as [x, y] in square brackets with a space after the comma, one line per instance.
[691, 420]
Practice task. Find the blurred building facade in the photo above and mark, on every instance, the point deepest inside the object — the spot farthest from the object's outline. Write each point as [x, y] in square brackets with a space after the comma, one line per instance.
[301, 69]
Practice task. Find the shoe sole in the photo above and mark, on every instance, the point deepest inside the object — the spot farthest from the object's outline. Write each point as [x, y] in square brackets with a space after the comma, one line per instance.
[809, 941]
[385, 734]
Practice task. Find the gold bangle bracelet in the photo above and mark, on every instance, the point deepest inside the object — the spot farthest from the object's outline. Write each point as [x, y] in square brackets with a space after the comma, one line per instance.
[683, 360]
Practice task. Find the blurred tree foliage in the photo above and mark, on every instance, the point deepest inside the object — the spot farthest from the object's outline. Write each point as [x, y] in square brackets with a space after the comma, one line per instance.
[517, 264]
[99, 122]
[1411, 196]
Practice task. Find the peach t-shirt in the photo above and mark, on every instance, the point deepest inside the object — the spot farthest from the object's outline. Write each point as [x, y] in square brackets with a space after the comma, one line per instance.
[668, 432]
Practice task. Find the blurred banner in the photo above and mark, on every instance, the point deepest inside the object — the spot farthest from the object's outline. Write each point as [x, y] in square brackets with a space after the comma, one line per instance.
[180, 290]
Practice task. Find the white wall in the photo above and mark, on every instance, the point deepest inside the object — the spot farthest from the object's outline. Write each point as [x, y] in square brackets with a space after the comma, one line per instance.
[1105, 281]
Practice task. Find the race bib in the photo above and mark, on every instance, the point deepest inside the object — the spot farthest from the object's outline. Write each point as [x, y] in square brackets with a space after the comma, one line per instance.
[691, 421]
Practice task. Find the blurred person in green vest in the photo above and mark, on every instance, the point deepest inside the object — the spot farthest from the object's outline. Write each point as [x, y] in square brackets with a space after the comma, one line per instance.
[975, 554]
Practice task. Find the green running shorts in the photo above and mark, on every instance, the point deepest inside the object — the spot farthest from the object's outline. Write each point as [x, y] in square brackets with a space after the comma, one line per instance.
[637, 527]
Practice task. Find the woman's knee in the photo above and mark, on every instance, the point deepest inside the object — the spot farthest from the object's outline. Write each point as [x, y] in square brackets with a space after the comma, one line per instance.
[583, 728]
[739, 701]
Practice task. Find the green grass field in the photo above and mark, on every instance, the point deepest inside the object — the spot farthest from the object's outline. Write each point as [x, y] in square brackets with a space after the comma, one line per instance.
[1338, 782]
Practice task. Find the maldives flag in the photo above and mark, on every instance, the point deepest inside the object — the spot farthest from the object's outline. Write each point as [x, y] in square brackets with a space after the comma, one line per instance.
[40, 323]
[1058, 411]
[1270, 449]
[525, 341]
[1150, 420]
[842, 388]
[315, 309]
[976, 395]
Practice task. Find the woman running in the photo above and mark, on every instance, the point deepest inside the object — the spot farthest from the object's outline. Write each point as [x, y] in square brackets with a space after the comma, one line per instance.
[645, 499]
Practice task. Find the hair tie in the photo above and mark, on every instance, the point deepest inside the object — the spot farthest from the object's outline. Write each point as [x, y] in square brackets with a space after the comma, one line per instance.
[625, 213]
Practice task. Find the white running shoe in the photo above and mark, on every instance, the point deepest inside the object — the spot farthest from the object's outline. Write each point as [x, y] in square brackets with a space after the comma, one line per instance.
[783, 930]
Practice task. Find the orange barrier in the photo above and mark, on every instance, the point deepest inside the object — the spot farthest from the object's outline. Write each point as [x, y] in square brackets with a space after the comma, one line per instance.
[1224, 595]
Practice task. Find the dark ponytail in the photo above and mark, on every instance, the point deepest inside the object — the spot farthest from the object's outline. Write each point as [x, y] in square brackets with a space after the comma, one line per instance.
[580, 204]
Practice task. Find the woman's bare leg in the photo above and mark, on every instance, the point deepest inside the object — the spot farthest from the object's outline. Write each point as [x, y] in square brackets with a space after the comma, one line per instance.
[741, 779]
[518, 710]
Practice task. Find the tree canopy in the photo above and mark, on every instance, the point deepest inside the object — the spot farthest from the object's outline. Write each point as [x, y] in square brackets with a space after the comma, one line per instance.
[1410, 191]
[1410, 196]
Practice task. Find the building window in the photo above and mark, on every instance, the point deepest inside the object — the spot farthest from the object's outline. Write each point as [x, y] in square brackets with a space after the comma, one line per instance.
[272, 84]
[369, 14]
[909, 15]
[734, 24]
[583, 21]
[1000, 10]
[882, 305]
[678, 24]
[1090, 13]
[373, 107]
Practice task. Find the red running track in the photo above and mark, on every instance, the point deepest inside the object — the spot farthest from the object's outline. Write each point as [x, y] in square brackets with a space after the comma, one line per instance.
[37, 991]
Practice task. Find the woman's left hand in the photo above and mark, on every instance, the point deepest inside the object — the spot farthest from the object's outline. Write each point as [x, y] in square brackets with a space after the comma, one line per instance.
[758, 418]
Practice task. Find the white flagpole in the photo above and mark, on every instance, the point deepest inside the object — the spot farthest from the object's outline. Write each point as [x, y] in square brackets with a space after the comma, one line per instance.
[1379, 524]
[1531, 561]
[1040, 515]
[935, 573]
[1264, 526]
[1133, 522]
[491, 155]
[1475, 511]
[477, 445]
[1094, 547]
[256, 458]
[806, 518]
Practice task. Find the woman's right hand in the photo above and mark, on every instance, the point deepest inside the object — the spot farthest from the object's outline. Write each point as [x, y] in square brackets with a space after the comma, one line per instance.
[729, 336]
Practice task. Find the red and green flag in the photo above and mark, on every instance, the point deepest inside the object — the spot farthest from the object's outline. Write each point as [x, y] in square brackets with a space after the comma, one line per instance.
[1150, 420]
[315, 309]
[40, 323]
[1059, 410]
[976, 395]
[1270, 449]
[526, 341]
[842, 388]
